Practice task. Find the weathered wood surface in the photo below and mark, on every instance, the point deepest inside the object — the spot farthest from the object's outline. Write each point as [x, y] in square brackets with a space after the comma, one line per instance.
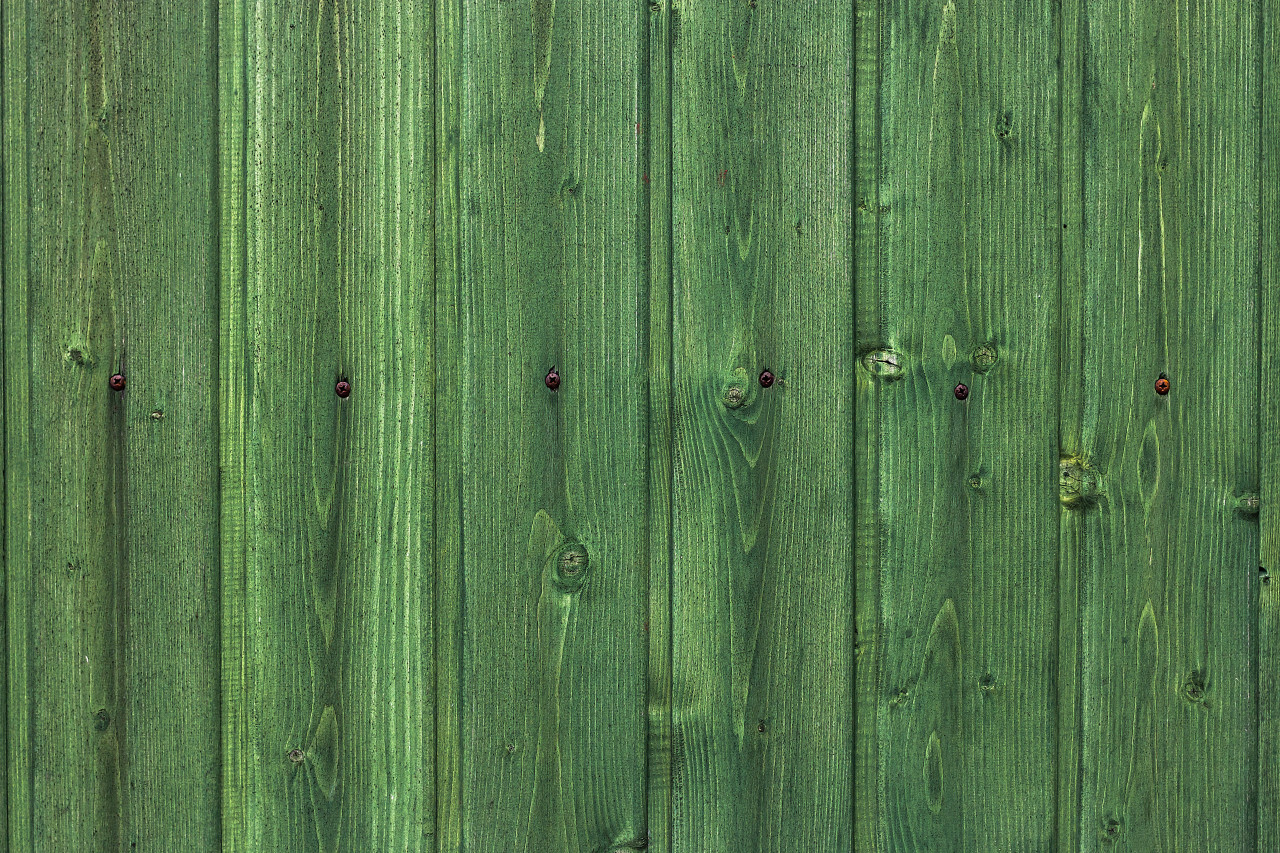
[111, 545]
[327, 534]
[661, 606]
[545, 493]
[1169, 547]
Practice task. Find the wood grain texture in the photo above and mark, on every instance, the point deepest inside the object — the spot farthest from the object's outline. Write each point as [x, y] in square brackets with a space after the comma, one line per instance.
[1268, 587]
[327, 536]
[1169, 561]
[762, 600]
[967, 502]
[873, 371]
[656, 147]
[111, 541]
[1072, 315]
[544, 263]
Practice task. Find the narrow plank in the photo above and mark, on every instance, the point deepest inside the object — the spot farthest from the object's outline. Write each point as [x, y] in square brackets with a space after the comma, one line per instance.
[762, 600]
[1170, 131]
[111, 540]
[447, 426]
[968, 511]
[875, 367]
[552, 524]
[1073, 310]
[328, 607]
[18, 803]
[1268, 589]
[656, 147]
[234, 368]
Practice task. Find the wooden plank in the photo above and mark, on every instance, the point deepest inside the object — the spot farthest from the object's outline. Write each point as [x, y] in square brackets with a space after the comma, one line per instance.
[656, 147]
[450, 403]
[762, 601]
[551, 516]
[1073, 517]
[328, 599]
[1169, 563]
[17, 800]
[1268, 588]
[875, 367]
[112, 533]
[967, 507]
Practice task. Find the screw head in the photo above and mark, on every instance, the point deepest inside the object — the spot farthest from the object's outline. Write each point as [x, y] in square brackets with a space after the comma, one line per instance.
[962, 391]
[342, 389]
[116, 382]
[766, 379]
[1162, 385]
[553, 379]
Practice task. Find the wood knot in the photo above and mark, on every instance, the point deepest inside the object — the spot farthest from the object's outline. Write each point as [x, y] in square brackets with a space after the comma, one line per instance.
[296, 756]
[101, 720]
[1077, 483]
[985, 357]
[884, 363]
[571, 567]
[734, 397]
[1194, 687]
[1248, 504]
[1111, 829]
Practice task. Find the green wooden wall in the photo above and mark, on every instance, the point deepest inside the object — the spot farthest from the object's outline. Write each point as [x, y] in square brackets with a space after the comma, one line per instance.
[662, 606]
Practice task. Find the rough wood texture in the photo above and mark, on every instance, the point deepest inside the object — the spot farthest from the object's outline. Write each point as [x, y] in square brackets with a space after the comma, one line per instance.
[967, 501]
[762, 600]
[327, 535]
[111, 541]
[1268, 587]
[1169, 562]
[544, 263]
[661, 606]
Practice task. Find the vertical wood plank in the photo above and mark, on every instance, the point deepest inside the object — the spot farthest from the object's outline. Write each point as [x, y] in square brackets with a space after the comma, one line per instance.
[875, 366]
[967, 507]
[447, 426]
[1268, 589]
[1071, 418]
[762, 103]
[656, 145]
[328, 607]
[551, 519]
[1169, 568]
[112, 494]
[16, 398]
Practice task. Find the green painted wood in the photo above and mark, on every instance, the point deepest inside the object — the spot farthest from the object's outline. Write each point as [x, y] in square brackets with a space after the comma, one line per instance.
[447, 428]
[545, 264]
[762, 598]
[1072, 315]
[327, 573]
[1169, 562]
[656, 148]
[875, 368]
[967, 507]
[1268, 588]
[111, 541]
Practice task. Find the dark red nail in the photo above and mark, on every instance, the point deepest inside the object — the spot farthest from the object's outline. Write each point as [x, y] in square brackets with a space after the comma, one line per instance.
[116, 382]
[962, 391]
[766, 379]
[1162, 385]
[553, 379]
[342, 389]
